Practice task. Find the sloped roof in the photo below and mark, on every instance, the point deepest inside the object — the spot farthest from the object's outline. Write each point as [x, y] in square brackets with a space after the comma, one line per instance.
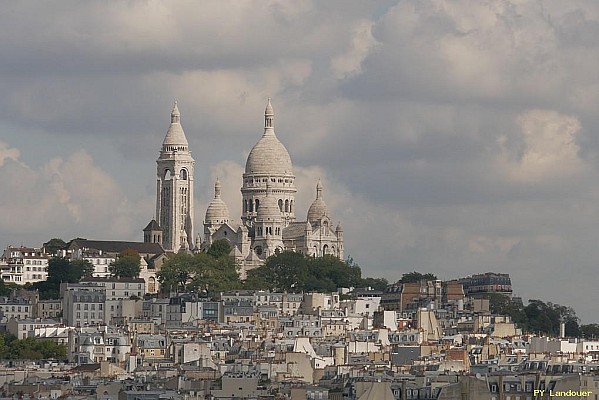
[152, 226]
[116, 246]
[112, 279]
[294, 230]
[378, 391]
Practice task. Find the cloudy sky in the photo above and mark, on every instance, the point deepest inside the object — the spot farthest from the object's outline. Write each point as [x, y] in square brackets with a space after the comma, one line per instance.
[453, 137]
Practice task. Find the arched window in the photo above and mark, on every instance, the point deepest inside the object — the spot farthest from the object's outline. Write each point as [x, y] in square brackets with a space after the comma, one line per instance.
[280, 205]
[251, 203]
[287, 205]
[152, 284]
[183, 174]
[257, 204]
[325, 249]
[245, 206]
[167, 174]
[291, 206]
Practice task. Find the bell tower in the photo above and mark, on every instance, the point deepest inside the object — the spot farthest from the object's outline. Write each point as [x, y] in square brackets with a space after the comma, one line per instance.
[174, 187]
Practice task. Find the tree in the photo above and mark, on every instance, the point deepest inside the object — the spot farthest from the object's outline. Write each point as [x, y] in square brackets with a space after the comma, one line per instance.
[294, 272]
[219, 248]
[177, 272]
[80, 269]
[375, 283]
[62, 270]
[127, 265]
[59, 270]
[547, 317]
[417, 277]
[30, 348]
[503, 305]
[214, 275]
[199, 272]
[590, 331]
[5, 288]
[53, 246]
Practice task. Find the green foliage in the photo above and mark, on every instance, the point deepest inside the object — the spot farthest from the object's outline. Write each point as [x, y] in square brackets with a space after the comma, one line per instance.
[537, 316]
[503, 305]
[199, 272]
[375, 283]
[30, 349]
[54, 245]
[214, 274]
[590, 331]
[415, 276]
[62, 270]
[219, 248]
[176, 273]
[294, 272]
[6, 288]
[81, 269]
[127, 265]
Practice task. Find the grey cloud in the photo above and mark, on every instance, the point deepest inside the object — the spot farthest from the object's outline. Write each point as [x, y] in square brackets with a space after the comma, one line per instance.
[418, 126]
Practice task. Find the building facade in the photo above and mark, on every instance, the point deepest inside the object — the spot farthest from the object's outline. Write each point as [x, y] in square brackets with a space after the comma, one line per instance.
[23, 265]
[268, 214]
[174, 189]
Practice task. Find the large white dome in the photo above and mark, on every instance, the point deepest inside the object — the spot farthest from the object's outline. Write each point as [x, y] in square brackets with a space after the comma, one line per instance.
[269, 156]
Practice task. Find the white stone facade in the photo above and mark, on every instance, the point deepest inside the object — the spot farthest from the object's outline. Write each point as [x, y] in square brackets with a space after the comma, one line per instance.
[23, 265]
[268, 218]
[174, 188]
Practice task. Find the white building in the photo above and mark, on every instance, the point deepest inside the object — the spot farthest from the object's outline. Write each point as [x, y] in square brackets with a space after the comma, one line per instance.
[101, 253]
[174, 188]
[268, 219]
[24, 328]
[23, 265]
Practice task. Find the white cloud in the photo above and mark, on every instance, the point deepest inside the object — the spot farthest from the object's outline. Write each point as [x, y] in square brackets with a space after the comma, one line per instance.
[550, 148]
[8, 153]
[64, 198]
[397, 107]
[350, 62]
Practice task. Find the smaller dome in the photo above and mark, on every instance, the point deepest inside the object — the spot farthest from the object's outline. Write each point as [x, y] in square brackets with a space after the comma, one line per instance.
[217, 211]
[175, 135]
[268, 208]
[339, 227]
[319, 208]
[269, 111]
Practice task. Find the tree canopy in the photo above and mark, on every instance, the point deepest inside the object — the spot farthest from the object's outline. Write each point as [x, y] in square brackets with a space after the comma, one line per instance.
[219, 248]
[199, 272]
[294, 272]
[53, 246]
[537, 316]
[127, 264]
[6, 288]
[30, 348]
[415, 276]
[62, 270]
